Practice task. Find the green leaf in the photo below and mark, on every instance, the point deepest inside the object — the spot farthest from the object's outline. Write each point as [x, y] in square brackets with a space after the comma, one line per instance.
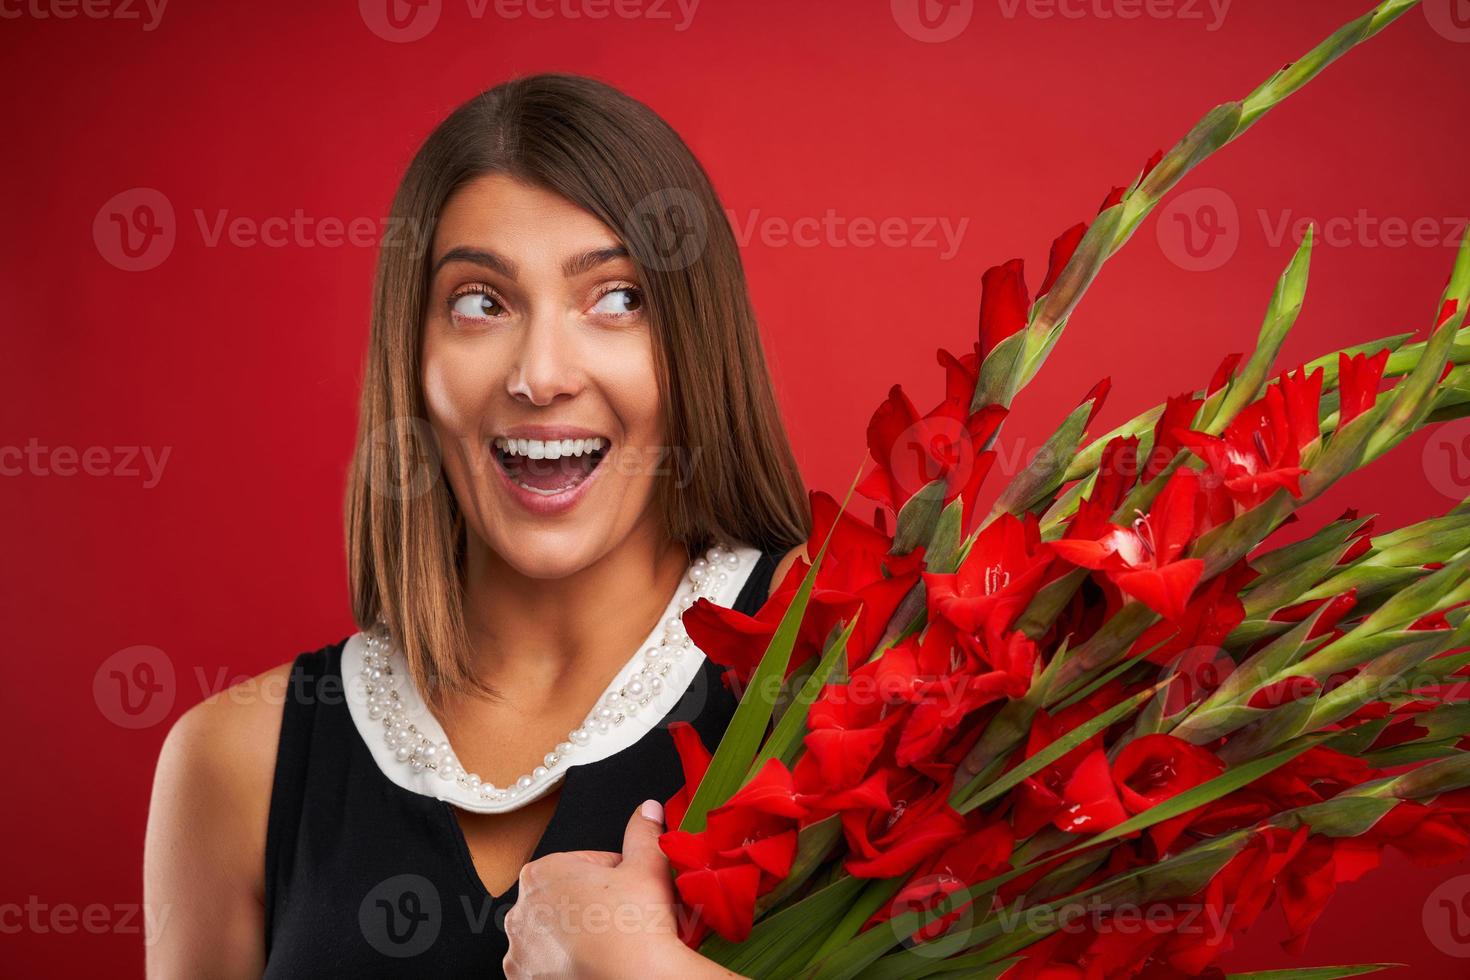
[866, 948]
[742, 739]
[785, 740]
[918, 518]
[1281, 315]
[945, 549]
[813, 843]
[777, 937]
[1281, 561]
[1205, 793]
[1043, 474]
[999, 373]
[877, 894]
[1341, 816]
[1315, 973]
[1054, 751]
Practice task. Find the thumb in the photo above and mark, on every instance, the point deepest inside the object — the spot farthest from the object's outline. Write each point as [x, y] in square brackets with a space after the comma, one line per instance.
[640, 839]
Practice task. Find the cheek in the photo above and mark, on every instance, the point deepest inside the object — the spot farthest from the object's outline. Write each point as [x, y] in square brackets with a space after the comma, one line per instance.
[631, 386]
[456, 390]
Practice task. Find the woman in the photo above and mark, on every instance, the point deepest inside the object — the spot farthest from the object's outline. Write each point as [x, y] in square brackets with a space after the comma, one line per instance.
[565, 402]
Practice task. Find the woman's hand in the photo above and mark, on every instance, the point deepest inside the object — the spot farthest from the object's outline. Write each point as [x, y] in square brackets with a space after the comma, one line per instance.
[595, 914]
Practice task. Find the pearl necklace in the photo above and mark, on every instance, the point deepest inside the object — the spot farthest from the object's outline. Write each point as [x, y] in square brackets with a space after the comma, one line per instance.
[410, 747]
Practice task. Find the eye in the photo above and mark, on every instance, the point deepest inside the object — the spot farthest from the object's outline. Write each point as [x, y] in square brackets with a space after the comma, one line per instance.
[475, 304]
[623, 301]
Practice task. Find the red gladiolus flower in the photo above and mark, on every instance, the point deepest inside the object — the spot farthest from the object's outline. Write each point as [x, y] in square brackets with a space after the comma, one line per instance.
[1116, 195]
[1223, 373]
[1362, 538]
[1039, 798]
[1062, 251]
[694, 760]
[1144, 560]
[857, 573]
[1117, 472]
[1261, 448]
[1152, 768]
[1358, 380]
[724, 899]
[886, 845]
[1179, 413]
[1209, 617]
[1090, 802]
[745, 850]
[847, 731]
[960, 374]
[1448, 311]
[1004, 568]
[1336, 607]
[1005, 304]
[912, 451]
[946, 682]
[1306, 884]
[983, 852]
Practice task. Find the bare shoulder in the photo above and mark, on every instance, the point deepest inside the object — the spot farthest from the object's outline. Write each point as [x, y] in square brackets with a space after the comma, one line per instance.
[231, 733]
[204, 855]
[784, 565]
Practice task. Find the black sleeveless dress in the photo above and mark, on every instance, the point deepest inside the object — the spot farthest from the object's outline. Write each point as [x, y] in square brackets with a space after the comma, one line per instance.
[364, 878]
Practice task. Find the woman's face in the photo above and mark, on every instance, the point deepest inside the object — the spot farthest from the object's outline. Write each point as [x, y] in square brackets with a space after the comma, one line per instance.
[539, 376]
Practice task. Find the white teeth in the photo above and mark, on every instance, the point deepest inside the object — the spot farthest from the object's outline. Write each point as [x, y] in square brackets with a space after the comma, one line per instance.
[552, 449]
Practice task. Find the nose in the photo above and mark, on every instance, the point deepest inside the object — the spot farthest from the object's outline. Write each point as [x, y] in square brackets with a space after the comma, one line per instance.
[546, 365]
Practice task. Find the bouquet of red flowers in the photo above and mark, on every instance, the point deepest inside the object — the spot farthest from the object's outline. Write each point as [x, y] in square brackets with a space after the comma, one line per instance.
[969, 747]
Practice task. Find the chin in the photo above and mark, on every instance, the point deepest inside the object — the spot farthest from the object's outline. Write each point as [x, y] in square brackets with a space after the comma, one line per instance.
[550, 553]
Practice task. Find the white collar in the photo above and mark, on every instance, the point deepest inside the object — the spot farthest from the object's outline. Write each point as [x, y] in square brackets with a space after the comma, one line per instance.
[410, 747]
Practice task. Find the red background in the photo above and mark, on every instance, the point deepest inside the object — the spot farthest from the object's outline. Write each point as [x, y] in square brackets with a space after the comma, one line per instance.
[243, 360]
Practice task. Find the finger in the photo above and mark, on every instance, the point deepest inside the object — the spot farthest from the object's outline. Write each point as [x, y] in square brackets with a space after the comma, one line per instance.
[640, 839]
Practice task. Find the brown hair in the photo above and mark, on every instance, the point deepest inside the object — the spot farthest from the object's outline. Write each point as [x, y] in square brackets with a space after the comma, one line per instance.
[615, 158]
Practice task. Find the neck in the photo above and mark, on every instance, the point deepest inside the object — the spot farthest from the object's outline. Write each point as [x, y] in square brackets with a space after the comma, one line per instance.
[529, 633]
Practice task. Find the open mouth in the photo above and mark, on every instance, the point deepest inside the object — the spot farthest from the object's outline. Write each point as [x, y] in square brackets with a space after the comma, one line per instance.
[549, 466]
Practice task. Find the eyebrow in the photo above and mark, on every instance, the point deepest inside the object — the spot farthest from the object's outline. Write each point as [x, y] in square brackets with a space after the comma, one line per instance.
[574, 266]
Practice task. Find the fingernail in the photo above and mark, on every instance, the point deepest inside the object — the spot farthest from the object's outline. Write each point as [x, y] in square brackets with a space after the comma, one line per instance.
[653, 810]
